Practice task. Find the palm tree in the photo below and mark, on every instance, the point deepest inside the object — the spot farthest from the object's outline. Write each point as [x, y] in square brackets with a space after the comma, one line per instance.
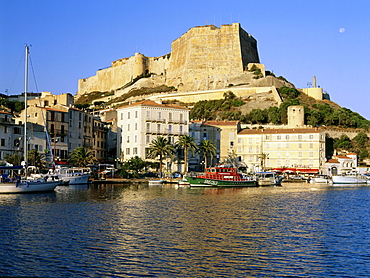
[206, 148]
[187, 143]
[81, 157]
[161, 147]
[36, 159]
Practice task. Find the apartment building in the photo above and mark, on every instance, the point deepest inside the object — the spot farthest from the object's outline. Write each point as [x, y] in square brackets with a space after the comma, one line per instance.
[203, 130]
[139, 123]
[11, 135]
[302, 148]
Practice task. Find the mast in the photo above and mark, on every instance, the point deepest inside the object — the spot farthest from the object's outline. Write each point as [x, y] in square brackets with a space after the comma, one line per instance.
[25, 151]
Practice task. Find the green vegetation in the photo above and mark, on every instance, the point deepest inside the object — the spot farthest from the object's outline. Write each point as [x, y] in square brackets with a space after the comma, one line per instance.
[207, 149]
[186, 143]
[81, 157]
[316, 113]
[160, 147]
[132, 167]
[360, 145]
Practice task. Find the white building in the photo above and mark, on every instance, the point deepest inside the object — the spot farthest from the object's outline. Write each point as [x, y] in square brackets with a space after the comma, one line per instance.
[139, 123]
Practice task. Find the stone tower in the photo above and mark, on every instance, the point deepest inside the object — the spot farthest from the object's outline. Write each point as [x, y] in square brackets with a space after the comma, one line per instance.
[295, 116]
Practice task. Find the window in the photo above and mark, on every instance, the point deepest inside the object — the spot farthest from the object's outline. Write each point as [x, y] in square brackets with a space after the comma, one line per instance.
[169, 128]
[5, 129]
[300, 154]
[240, 140]
[181, 117]
[135, 138]
[287, 137]
[279, 137]
[250, 149]
[128, 127]
[135, 126]
[121, 116]
[159, 115]
[148, 114]
[311, 136]
[127, 150]
[267, 137]
[205, 136]
[128, 115]
[147, 138]
[158, 128]
[278, 145]
[170, 116]
[311, 145]
[231, 135]
[287, 145]
[2, 142]
[311, 154]
[136, 114]
[135, 151]
[300, 145]
[128, 139]
[180, 129]
[300, 137]
[250, 140]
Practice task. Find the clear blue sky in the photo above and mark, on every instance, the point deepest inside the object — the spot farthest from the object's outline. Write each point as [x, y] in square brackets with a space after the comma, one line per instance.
[298, 39]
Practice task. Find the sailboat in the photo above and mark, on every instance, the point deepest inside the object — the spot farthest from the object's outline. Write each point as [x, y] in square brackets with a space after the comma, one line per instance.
[11, 181]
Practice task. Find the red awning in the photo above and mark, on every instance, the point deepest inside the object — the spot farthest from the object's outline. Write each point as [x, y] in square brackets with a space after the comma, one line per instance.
[308, 171]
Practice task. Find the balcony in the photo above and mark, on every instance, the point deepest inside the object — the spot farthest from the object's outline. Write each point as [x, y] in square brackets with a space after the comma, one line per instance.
[155, 120]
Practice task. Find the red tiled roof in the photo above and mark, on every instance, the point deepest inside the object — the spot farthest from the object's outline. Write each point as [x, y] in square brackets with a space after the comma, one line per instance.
[220, 123]
[280, 131]
[332, 161]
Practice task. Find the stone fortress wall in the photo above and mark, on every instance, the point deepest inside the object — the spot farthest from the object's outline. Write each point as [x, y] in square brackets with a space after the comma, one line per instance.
[204, 58]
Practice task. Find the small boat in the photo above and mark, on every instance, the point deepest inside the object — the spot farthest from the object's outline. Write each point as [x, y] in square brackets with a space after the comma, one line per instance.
[72, 175]
[183, 182]
[156, 182]
[320, 179]
[268, 178]
[221, 177]
[349, 178]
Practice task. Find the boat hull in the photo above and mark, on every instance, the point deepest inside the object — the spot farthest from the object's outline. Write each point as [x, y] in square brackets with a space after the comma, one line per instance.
[75, 179]
[348, 180]
[203, 182]
[28, 187]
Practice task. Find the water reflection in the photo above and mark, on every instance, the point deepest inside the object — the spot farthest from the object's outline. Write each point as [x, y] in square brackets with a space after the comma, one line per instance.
[126, 230]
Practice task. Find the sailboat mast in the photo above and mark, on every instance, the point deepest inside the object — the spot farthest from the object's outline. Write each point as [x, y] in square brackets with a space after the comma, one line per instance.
[25, 151]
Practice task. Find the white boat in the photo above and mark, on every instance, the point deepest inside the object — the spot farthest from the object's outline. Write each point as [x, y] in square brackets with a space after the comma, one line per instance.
[320, 179]
[11, 181]
[72, 175]
[349, 178]
[268, 178]
[156, 182]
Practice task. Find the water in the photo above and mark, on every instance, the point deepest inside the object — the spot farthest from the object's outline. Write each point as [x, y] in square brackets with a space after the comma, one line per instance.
[298, 230]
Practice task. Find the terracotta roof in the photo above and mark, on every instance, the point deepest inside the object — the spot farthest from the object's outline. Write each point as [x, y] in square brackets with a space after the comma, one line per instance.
[52, 109]
[351, 154]
[3, 112]
[343, 156]
[220, 123]
[152, 103]
[332, 161]
[280, 131]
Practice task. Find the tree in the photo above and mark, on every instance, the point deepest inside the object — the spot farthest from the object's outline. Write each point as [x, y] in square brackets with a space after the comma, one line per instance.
[187, 143]
[14, 159]
[36, 159]
[161, 147]
[206, 148]
[343, 143]
[134, 165]
[263, 157]
[81, 157]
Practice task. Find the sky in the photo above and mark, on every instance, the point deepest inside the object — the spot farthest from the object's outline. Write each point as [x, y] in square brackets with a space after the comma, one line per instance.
[296, 39]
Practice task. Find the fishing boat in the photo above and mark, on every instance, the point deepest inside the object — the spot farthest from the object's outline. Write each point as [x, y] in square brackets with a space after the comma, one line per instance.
[11, 179]
[268, 178]
[73, 175]
[221, 177]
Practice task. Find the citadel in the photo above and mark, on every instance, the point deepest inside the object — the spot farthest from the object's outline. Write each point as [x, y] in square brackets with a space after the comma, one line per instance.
[204, 63]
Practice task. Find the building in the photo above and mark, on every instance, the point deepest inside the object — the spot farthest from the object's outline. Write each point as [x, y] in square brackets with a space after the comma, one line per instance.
[11, 135]
[139, 123]
[341, 164]
[298, 148]
[201, 130]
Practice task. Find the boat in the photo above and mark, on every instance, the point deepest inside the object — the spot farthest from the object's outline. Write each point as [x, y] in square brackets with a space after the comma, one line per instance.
[73, 175]
[156, 182]
[183, 182]
[221, 177]
[268, 178]
[320, 179]
[349, 178]
[11, 179]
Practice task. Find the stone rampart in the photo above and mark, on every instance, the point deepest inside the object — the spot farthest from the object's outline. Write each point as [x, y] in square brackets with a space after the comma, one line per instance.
[204, 58]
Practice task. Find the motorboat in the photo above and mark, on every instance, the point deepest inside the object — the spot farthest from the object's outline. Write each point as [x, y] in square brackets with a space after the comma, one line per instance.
[268, 178]
[320, 179]
[73, 175]
[349, 178]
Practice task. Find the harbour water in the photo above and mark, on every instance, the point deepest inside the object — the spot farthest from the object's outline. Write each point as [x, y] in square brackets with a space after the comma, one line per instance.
[136, 230]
